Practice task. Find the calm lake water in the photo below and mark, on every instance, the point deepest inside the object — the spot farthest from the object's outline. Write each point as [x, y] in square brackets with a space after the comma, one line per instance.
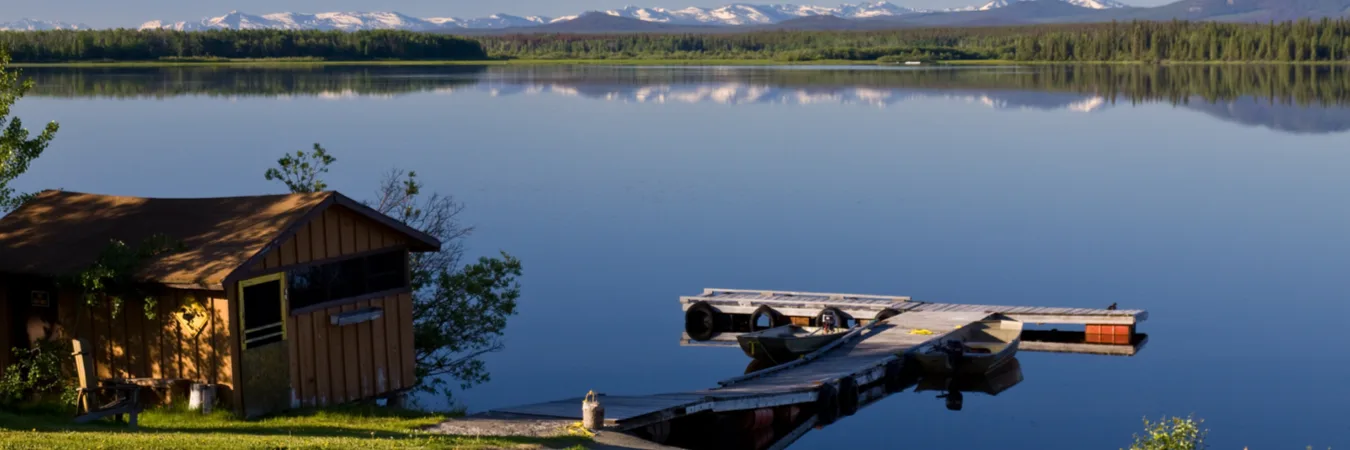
[1215, 198]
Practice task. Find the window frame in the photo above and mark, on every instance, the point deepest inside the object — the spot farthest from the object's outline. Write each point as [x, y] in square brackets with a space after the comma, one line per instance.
[405, 285]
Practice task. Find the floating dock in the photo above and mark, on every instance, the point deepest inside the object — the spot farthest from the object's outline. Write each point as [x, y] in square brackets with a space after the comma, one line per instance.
[836, 380]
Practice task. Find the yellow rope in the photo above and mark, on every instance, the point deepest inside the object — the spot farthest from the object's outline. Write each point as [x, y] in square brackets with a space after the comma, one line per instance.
[922, 332]
[577, 429]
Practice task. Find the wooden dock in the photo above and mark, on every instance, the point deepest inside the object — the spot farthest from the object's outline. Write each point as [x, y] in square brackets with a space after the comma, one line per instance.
[854, 362]
[867, 364]
[1031, 342]
[808, 304]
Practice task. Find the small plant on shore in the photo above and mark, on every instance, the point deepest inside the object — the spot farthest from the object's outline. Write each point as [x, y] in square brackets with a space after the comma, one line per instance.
[1174, 433]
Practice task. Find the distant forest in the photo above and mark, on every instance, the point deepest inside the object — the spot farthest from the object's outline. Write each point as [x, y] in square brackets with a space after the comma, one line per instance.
[151, 45]
[1325, 40]
[1304, 41]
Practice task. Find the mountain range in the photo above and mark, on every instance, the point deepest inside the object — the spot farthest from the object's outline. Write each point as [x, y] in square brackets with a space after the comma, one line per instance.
[729, 15]
[739, 16]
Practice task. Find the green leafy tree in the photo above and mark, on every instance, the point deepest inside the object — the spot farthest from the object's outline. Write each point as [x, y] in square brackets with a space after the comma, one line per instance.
[460, 311]
[1174, 433]
[301, 172]
[17, 147]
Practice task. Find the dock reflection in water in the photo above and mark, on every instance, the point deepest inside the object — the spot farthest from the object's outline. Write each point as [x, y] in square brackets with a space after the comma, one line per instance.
[780, 427]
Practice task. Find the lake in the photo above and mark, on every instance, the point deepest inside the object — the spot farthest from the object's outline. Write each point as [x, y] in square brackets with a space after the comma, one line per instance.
[1213, 197]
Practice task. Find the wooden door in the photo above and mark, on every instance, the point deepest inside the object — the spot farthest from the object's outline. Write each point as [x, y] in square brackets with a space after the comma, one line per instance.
[266, 384]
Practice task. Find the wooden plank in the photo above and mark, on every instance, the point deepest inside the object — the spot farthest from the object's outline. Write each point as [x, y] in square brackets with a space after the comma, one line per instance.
[5, 320]
[272, 260]
[377, 239]
[379, 357]
[323, 378]
[348, 233]
[405, 334]
[351, 360]
[293, 348]
[332, 233]
[308, 386]
[303, 250]
[135, 339]
[117, 329]
[288, 251]
[189, 345]
[154, 331]
[336, 361]
[393, 342]
[363, 343]
[362, 232]
[235, 347]
[318, 244]
[67, 320]
[220, 340]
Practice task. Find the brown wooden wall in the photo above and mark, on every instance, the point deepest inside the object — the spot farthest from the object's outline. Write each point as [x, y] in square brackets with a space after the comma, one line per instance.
[5, 323]
[331, 364]
[130, 345]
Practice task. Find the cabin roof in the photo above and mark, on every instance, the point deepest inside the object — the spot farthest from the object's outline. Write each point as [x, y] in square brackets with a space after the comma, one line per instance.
[60, 233]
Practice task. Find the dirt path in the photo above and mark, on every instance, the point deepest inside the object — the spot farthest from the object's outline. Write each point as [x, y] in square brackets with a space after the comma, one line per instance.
[498, 424]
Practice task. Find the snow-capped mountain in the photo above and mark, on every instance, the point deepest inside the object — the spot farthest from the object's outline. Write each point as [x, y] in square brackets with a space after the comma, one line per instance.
[39, 25]
[1093, 4]
[745, 14]
[349, 21]
[729, 15]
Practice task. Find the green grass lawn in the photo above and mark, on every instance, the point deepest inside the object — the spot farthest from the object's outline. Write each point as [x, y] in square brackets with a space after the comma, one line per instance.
[172, 429]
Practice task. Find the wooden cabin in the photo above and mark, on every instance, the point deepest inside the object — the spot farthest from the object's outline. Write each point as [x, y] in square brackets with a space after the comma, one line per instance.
[280, 301]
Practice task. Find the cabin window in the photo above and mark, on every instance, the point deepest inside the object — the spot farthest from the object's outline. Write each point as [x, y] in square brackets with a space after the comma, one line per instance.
[262, 307]
[323, 283]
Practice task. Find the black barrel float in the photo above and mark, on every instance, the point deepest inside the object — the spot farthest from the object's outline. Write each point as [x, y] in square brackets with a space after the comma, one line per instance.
[895, 381]
[775, 319]
[841, 319]
[848, 396]
[827, 403]
[886, 314]
[699, 321]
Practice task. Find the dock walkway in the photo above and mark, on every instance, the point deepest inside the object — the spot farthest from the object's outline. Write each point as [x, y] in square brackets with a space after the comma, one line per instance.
[862, 358]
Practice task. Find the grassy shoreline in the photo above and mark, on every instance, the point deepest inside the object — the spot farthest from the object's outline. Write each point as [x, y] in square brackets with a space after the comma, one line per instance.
[171, 428]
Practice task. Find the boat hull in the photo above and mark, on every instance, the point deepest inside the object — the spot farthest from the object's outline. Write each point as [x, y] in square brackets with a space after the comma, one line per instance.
[986, 346]
[780, 349]
[941, 364]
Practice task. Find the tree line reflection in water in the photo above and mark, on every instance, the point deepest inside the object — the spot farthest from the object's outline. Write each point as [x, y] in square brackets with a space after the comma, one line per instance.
[1289, 98]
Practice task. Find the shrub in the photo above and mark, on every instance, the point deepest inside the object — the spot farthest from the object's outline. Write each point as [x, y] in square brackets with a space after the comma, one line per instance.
[35, 371]
[1175, 433]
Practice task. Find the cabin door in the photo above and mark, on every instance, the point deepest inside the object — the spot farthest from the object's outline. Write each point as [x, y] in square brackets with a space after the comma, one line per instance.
[265, 363]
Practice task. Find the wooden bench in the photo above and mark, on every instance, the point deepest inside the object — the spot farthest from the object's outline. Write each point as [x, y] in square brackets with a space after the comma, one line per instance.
[118, 398]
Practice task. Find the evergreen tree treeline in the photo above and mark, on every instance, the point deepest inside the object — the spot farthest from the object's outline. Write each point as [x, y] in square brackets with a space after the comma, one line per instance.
[1325, 40]
[134, 45]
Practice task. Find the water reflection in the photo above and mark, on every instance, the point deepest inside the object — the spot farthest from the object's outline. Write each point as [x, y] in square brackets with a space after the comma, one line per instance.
[1294, 99]
[781, 426]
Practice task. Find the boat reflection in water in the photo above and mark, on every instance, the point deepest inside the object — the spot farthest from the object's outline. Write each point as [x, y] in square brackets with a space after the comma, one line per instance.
[954, 388]
[779, 427]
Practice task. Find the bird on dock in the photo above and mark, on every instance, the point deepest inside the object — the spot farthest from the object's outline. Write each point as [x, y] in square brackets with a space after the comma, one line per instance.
[1111, 308]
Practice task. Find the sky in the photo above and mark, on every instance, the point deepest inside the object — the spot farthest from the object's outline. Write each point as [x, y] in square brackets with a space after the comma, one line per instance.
[106, 13]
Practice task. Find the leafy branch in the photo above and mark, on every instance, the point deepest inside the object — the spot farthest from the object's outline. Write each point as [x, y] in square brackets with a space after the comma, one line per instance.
[113, 273]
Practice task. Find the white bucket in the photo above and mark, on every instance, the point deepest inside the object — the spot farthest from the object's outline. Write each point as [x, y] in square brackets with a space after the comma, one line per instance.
[202, 398]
